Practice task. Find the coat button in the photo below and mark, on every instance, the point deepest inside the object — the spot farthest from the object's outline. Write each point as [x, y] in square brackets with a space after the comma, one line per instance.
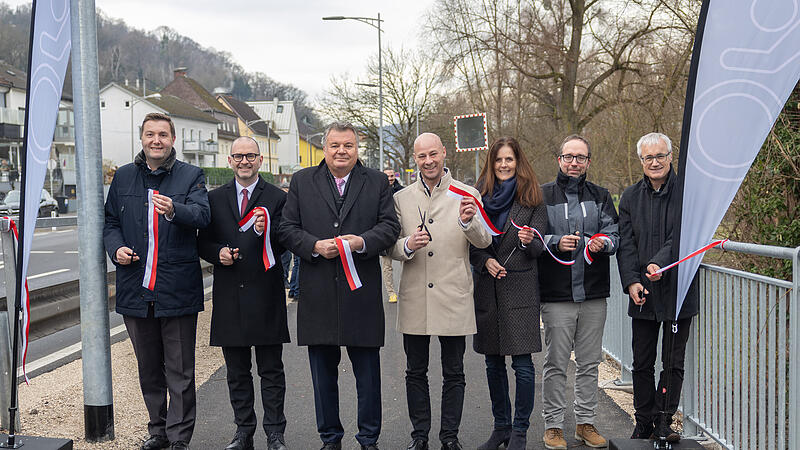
[430, 253]
[430, 285]
[335, 224]
[430, 220]
[241, 285]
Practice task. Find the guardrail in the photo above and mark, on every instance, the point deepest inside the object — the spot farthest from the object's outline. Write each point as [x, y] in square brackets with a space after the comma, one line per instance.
[742, 380]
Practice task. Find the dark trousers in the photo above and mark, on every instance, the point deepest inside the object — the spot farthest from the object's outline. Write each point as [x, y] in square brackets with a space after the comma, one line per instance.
[648, 400]
[286, 262]
[324, 360]
[240, 387]
[294, 283]
[498, 391]
[164, 349]
[417, 394]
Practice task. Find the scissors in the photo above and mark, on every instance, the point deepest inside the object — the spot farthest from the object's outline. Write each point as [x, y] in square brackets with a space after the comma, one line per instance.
[422, 225]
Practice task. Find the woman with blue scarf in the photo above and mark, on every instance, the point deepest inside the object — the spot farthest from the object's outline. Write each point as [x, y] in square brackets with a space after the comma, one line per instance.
[507, 288]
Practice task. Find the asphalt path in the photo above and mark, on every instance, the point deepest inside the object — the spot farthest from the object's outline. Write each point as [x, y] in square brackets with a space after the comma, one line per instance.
[215, 428]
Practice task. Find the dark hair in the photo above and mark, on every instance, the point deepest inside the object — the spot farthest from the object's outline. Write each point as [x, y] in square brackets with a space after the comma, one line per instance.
[575, 137]
[528, 191]
[155, 116]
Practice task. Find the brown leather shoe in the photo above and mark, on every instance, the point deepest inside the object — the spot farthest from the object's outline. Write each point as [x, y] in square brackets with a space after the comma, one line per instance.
[587, 433]
[554, 439]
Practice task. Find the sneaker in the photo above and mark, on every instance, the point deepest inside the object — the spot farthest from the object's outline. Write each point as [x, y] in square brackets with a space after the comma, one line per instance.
[393, 298]
[554, 439]
[587, 433]
[663, 429]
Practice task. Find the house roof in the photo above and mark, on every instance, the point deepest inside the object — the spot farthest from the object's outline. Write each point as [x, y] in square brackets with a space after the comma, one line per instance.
[13, 77]
[246, 113]
[193, 92]
[306, 130]
[268, 110]
[171, 104]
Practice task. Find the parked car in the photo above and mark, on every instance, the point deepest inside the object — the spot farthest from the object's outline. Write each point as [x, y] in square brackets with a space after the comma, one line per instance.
[10, 204]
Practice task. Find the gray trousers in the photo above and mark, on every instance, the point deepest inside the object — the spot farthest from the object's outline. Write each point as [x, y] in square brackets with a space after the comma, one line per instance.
[571, 326]
[164, 349]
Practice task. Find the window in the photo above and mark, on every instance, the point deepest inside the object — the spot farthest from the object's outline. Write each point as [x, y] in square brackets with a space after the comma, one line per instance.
[212, 136]
[183, 134]
[199, 135]
[191, 135]
[102, 104]
[2, 99]
[127, 104]
[280, 109]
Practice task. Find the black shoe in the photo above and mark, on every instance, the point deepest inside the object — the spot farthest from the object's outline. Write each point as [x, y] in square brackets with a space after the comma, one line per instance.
[452, 445]
[498, 437]
[180, 445]
[275, 441]
[418, 444]
[518, 440]
[370, 446]
[642, 431]
[241, 441]
[155, 442]
[664, 431]
[332, 446]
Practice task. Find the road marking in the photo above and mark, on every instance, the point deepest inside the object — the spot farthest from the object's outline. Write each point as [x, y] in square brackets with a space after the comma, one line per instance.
[64, 231]
[42, 252]
[72, 252]
[40, 275]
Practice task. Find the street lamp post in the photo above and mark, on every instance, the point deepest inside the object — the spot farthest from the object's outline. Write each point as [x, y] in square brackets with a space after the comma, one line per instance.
[376, 23]
[135, 100]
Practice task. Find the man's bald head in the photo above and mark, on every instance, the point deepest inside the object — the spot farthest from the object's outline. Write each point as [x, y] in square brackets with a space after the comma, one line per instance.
[250, 145]
[428, 140]
[429, 154]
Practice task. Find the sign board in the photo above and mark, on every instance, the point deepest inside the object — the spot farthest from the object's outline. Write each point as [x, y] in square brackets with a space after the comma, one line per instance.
[471, 132]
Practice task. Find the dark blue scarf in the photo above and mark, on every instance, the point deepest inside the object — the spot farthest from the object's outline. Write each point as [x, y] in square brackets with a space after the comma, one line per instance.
[498, 206]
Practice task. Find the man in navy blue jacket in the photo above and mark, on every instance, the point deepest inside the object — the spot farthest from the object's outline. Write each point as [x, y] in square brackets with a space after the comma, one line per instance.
[153, 210]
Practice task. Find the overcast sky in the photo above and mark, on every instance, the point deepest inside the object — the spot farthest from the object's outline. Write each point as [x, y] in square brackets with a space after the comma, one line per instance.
[286, 40]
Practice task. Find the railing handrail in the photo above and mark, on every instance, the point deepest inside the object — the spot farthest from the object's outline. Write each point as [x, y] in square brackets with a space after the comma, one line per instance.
[770, 251]
[41, 222]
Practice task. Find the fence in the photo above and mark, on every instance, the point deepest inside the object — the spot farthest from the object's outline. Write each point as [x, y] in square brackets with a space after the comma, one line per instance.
[741, 383]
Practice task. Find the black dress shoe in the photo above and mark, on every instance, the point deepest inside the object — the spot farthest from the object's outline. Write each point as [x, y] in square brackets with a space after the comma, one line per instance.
[370, 447]
[275, 441]
[452, 445]
[180, 445]
[241, 441]
[155, 442]
[332, 446]
[418, 444]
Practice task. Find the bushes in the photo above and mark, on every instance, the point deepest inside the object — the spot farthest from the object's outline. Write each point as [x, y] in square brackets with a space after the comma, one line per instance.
[217, 176]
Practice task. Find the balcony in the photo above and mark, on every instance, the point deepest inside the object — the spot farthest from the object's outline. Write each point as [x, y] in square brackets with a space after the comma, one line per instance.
[201, 147]
[12, 116]
[64, 133]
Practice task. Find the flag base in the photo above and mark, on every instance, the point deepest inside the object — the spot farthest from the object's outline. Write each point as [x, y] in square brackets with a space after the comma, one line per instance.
[650, 444]
[36, 443]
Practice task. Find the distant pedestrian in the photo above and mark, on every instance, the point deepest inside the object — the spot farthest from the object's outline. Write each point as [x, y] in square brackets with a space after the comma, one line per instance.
[507, 288]
[249, 313]
[153, 210]
[386, 261]
[291, 265]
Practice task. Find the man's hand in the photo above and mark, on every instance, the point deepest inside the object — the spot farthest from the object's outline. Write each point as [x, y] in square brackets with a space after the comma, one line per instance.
[126, 256]
[637, 292]
[467, 209]
[568, 242]
[418, 239]
[651, 272]
[326, 248]
[356, 242]
[163, 205]
[260, 220]
[596, 245]
[495, 269]
[525, 236]
[228, 255]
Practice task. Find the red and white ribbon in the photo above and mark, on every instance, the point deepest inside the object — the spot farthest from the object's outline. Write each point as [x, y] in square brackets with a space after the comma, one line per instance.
[266, 251]
[455, 192]
[720, 242]
[349, 265]
[525, 227]
[25, 307]
[586, 254]
[151, 265]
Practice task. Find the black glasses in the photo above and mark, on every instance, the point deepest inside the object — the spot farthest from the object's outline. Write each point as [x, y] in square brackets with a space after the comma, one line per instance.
[568, 158]
[239, 156]
[661, 158]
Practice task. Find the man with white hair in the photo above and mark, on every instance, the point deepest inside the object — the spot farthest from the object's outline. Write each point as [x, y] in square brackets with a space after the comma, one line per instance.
[648, 213]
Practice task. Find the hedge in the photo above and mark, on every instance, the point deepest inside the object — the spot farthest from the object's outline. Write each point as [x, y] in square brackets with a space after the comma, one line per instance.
[217, 176]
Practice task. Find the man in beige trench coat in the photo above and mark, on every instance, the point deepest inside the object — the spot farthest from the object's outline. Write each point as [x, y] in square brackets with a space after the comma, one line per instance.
[436, 286]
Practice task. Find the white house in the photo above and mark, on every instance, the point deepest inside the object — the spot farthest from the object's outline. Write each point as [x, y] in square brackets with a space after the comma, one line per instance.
[282, 119]
[122, 109]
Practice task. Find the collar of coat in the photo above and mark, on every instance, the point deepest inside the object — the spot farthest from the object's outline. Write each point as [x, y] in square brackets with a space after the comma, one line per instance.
[443, 183]
[570, 184]
[166, 166]
[665, 188]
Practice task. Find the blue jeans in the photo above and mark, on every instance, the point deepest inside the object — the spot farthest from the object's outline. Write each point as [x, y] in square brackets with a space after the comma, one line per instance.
[498, 390]
[294, 283]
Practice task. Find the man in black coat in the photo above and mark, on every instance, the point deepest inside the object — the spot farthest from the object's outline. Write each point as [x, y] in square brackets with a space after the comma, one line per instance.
[249, 305]
[153, 210]
[341, 198]
[648, 212]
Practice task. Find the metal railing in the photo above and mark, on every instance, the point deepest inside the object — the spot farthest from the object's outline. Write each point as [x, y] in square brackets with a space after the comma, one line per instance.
[741, 368]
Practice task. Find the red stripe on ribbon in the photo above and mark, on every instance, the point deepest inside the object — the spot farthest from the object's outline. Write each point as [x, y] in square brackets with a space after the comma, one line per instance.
[586, 254]
[25, 307]
[488, 223]
[346, 256]
[720, 242]
[266, 250]
[525, 227]
[151, 264]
